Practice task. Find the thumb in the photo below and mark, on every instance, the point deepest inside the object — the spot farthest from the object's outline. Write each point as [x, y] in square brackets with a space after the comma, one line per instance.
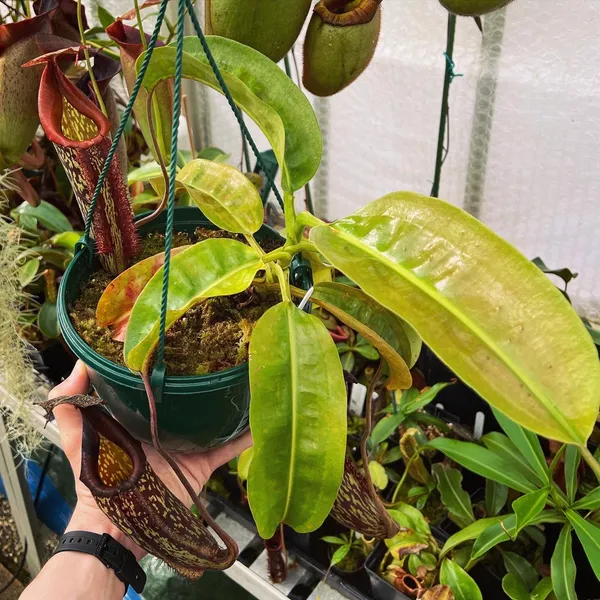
[76, 383]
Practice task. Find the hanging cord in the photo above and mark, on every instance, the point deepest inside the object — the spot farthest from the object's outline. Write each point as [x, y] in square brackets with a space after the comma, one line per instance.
[444, 130]
[171, 183]
[122, 124]
[232, 104]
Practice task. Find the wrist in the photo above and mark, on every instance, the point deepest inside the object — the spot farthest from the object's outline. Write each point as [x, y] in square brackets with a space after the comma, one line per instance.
[97, 522]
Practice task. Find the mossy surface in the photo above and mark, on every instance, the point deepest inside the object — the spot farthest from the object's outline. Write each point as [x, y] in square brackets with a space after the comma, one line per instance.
[210, 337]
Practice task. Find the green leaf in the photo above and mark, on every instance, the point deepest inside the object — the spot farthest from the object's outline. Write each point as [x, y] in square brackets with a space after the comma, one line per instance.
[496, 495]
[298, 421]
[456, 500]
[28, 271]
[534, 361]
[514, 588]
[409, 517]
[492, 536]
[482, 461]
[562, 566]
[334, 539]
[503, 447]
[528, 444]
[572, 460]
[392, 455]
[589, 536]
[262, 90]
[589, 502]
[340, 554]
[365, 349]
[47, 214]
[214, 154]
[66, 239]
[224, 194]
[105, 17]
[385, 427]
[244, 462]
[529, 506]
[145, 173]
[395, 339]
[463, 586]
[407, 542]
[47, 320]
[214, 267]
[410, 404]
[520, 567]
[378, 475]
[347, 360]
[542, 589]
[471, 532]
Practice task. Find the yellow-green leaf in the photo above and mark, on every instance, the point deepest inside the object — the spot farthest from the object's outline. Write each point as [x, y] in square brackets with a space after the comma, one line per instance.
[463, 586]
[298, 421]
[214, 267]
[490, 314]
[378, 475]
[262, 90]
[244, 462]
[224, 194]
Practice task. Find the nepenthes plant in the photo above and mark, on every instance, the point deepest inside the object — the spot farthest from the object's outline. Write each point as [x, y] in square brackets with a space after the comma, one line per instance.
[423, 271]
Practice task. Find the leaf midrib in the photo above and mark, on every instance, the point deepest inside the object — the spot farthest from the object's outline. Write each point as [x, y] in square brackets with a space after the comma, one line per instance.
[454, 492]
[294, 398]
[461, 317]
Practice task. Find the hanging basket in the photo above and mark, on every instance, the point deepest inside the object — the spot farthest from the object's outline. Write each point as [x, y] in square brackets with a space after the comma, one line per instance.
[196, 412]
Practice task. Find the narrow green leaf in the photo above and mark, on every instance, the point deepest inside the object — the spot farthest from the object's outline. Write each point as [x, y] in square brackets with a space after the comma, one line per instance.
[340, 554]
[520, 567]
[589, 536]
[492, 536]
[456, 500]
[48, 320]
[496, 495]
[385, 427]
[469, 533]
[463, 586]
[528, 444]
[214, 267]
[298, 421]
[562, 566]
[347, 360]
[214, 154]
[66, 239]
[224, 194]
[28, 271]
[365, 349]
[542, 589]
[105, 17]
[529, 506]
[514, 588]
[410, 404]
[392, 455]
[145, 173]
[504, 447]
[262, 90]
[572, 460]
[482, 461]
[464, 276]
[47, 214]
[589, 502]
[334, 539]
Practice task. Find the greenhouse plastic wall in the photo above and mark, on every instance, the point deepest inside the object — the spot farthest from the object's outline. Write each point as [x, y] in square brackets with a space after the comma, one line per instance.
[524, 127]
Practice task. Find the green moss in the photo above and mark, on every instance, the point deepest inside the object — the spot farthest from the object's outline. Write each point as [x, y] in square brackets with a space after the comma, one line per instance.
[154, 243]
[210, 337]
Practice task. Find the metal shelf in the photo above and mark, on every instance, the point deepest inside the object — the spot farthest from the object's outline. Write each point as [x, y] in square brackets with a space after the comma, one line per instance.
[253, 577]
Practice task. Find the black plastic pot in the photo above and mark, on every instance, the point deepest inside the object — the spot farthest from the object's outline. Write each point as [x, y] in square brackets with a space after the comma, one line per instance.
[196, 412]
[380, 588]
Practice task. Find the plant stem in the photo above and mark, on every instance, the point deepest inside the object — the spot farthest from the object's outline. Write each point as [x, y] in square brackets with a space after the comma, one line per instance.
[104, 50]
[254, 244]
[289, 213]
[283, 283]
[403, 478]
[367, 432]
[590, 460]
[276, 255]
[303, 246]
[138, 16]
[305, 219]
[88, 62]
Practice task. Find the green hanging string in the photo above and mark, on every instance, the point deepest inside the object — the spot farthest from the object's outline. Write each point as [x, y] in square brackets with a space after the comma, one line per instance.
[172, 174]
[85, 241]
[232, 104]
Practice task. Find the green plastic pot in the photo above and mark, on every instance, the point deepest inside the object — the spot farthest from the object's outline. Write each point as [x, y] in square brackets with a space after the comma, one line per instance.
[197, 412]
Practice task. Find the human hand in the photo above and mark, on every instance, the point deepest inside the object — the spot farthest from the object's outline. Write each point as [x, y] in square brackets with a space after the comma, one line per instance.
[197, 467]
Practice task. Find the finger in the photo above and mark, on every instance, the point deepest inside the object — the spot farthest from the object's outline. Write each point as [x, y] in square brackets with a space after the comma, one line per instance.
[219, 456]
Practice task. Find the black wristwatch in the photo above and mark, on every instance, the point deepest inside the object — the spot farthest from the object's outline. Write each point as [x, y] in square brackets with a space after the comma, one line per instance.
[109, 552]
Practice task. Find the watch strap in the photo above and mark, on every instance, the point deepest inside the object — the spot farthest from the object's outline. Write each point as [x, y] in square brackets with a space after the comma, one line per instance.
[109, 552]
